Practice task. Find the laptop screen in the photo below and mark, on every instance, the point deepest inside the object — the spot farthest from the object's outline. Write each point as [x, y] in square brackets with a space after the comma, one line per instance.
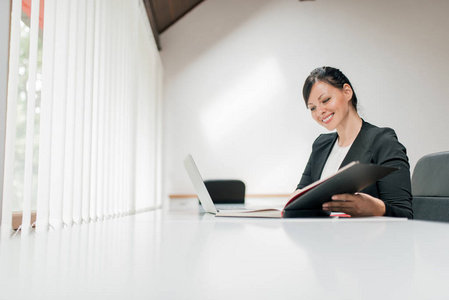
[198, 185]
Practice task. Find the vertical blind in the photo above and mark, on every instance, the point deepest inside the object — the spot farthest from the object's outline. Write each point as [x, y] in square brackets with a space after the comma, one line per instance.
[100, 113]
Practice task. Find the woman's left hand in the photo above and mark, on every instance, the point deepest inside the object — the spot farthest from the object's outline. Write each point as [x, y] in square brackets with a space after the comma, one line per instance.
[356, 205]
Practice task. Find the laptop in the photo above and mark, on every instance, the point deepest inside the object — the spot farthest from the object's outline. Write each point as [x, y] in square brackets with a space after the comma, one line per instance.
[208, 204]
[200, 187]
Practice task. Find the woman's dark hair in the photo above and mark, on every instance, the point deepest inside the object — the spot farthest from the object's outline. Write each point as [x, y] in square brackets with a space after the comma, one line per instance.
[328, 75]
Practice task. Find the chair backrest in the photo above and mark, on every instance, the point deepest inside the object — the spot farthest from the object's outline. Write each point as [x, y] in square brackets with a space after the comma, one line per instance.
[226, 191]
[430, 187]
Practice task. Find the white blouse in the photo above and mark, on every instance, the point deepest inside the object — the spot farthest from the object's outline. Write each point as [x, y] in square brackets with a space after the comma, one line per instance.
[334, 160]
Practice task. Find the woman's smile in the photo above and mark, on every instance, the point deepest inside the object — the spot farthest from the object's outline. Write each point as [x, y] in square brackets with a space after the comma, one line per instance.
[328, 119]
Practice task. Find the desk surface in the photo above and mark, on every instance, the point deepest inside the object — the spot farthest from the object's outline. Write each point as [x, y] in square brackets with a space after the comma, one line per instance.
[184, 254]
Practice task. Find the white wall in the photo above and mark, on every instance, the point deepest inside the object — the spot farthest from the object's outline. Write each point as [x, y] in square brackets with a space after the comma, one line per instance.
[234, 72]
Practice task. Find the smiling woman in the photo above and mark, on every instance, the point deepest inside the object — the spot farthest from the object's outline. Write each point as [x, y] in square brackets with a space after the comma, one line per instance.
[333, 104]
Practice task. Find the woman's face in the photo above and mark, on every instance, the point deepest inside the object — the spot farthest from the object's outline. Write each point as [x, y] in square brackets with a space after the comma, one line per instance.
[330, 106]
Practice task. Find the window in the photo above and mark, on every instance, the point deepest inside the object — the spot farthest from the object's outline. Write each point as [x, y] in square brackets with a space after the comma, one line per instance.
[83, 118]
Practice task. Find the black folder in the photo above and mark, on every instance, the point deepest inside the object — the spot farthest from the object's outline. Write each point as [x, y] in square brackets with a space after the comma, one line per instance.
[352, 178]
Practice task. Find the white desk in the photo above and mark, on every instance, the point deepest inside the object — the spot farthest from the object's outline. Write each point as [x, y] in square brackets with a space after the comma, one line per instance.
[181, 254]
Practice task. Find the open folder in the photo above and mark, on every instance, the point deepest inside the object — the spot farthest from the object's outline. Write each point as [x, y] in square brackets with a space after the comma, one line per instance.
[307, 202]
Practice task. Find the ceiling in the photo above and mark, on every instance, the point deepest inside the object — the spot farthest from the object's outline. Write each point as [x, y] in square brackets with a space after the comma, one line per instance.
[164, 13]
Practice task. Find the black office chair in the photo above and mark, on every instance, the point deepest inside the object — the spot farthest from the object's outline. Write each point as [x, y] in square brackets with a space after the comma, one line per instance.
[226, 191]
[430, 187]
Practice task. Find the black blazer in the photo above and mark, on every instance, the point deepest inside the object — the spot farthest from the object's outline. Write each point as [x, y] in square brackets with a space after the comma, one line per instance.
[372, 145]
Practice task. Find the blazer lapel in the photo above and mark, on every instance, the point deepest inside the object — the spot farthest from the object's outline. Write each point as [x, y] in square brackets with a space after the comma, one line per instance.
[323, 154]
[360, 148]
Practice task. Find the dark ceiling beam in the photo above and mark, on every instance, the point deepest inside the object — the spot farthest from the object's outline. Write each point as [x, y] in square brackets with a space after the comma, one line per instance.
[153, 21]
[170, 11]
[164, 13]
